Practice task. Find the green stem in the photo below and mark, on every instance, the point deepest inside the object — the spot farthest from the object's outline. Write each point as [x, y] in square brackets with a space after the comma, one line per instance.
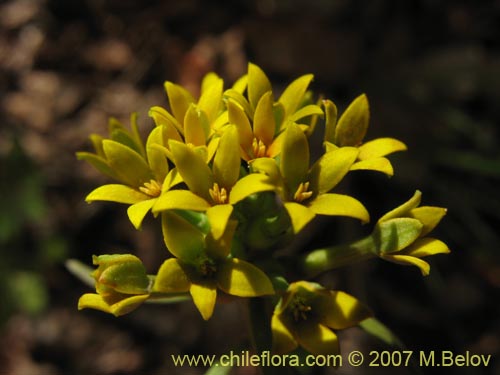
[321, 260]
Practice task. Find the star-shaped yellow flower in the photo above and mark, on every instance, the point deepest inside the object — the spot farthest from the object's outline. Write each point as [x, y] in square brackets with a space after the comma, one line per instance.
[305, 190]
[261, 120]
[307, 314]
[143, 171]
[203, 264]
[212, 188]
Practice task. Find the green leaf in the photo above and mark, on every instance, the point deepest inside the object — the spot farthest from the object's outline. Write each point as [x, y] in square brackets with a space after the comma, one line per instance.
[353, 123]
[81, 270]
[378, 330]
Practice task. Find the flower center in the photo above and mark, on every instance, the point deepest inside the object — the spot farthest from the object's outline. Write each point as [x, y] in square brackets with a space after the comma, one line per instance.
[207, 269]
[151, 188]
[218, 195]
[300, 309]
[302, 192]
[259, 149]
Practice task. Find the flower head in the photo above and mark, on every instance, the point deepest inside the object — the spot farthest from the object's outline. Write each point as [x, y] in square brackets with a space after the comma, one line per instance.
[307, 314]
[202, 264]
[142, 170]
[305, 189]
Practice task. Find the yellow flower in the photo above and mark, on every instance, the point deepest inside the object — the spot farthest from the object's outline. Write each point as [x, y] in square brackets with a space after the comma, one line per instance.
[305, 190]
[216, 188]
[403, 232]
[307, 314]
[121, 284]
[203, 264]
[142, 171]
[350, 131]
[260, 120]
[193, 122]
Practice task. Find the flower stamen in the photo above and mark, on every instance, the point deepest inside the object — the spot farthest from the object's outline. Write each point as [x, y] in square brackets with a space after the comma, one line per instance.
[259, 149]
[300, 309]
[302, 192]
[151, 188]
[207, 269]
[218, 195]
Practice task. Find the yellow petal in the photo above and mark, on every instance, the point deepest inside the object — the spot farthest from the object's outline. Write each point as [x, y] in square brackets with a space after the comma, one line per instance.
[339, 310]
[429, 216]
[193, 169]
[162, 117]
[183, 239]
[353, 123]
[339, 205]
[243, 279]
[226, 167]
[316, 338]
[299, 215]
[283, 340]
[407, 260]
[264, 125]
[330, 120]
[424, 247]
[267, 166]
[308, 110]
[171, 278]
[138, 211]
[99, 163]
[179, 99]
[294, 94]
[380, 147]
[196, 127]
[116, 193]
[156, 157]
[180, 200]
[219, 248]
[241, 100]
[258, 84]
[122, 307]
[294, 157]
[248, 185]
[331, 168]
[238, 117]
[218, 217]
[127, 163]
[403, 209]
[211, 98]
[204, 297]
[376, 164]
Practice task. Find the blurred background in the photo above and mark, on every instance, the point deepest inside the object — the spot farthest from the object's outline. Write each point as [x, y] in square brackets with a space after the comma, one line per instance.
[431, 70]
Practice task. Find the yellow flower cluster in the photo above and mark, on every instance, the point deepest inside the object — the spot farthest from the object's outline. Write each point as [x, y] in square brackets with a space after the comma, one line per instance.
[230, 175]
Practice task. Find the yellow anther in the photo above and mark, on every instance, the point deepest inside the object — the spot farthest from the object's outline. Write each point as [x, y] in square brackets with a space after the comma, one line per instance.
[151, 188]
[259, 149]
[218, 195]
[302, 192]
[207, 269]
